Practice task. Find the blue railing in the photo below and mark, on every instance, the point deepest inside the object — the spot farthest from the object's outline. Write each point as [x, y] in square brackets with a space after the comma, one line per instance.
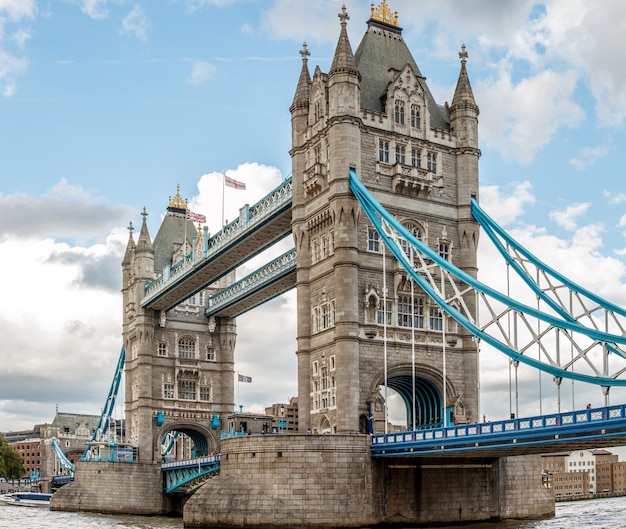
[539, 429]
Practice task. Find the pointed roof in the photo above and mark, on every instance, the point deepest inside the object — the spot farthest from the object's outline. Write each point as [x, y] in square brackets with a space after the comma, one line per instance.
[144, 244]
[130, 246]
[343, 61]
[463, 95]
[382, 49]
[174, 229]
[303, 90]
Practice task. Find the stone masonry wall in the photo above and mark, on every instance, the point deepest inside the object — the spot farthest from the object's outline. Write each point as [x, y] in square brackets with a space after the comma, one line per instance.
[289, 480]
[114, 488]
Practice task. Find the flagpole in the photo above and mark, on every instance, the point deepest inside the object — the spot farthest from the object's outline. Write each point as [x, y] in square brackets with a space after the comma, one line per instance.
[223, 192]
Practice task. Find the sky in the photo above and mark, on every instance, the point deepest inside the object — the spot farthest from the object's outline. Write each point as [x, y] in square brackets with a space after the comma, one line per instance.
[106, 106]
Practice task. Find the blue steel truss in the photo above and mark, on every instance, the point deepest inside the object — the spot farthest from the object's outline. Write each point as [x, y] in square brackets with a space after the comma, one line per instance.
[101, 434]
[598, 355]
[65, 463]
[178, 474]
[589, 428]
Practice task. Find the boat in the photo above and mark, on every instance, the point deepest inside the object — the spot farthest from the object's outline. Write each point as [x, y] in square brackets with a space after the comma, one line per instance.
[26, 499]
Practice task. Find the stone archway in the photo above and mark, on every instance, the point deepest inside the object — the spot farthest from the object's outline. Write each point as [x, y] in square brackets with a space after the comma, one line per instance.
[428, 403]
[184, 441]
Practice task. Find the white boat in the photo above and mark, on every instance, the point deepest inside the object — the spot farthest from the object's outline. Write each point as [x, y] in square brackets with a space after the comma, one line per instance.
[26, 499]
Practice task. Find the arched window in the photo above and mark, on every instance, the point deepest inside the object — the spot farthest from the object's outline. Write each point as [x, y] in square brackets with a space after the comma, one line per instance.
[399, 112]
[416, 231]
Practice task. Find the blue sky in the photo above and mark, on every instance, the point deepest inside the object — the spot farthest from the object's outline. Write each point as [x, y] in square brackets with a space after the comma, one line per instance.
[107, 105]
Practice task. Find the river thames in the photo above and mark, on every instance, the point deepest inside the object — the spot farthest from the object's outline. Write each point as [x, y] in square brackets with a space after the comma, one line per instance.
[609, 513]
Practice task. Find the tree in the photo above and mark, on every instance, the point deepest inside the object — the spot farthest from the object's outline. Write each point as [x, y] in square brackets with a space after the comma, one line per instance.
[11, 462]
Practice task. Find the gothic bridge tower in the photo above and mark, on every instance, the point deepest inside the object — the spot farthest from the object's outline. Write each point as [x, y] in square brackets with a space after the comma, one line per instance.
[374, 111]
[179, 363]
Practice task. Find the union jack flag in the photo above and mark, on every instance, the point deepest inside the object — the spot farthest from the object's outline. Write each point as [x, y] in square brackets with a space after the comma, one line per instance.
[195, 217]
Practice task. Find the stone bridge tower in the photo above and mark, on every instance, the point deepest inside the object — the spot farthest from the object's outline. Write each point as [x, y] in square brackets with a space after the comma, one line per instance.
[373, 111]
[179, 363]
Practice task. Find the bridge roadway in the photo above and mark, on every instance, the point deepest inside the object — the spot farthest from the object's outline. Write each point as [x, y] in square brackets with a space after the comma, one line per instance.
[557, 432]
[258, 227]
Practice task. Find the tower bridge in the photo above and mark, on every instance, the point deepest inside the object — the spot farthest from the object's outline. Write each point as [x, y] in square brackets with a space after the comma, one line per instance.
[383, 211]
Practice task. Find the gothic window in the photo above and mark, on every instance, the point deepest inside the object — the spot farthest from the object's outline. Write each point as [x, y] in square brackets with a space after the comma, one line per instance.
[134, 350]
[383, 151]
[331, 361]
[317, 152]
[168, 391]
[210, 354]
[315, 368]
[416, 120]
[400, 154]
[432, 162]
[324, 316]
[444, 250]
[205, 393]
[435, 319]
[416, 157]
[382, 313]
[316, 250]
[416, 232]
[324, 247]
[399, 112]
[187, 390]
[162, 349]
[373, 240]
[186, 347]
[316, 319]
[410, 311]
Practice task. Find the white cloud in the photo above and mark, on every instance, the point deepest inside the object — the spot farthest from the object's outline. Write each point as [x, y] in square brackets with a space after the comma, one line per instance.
[588, 156]
[521, 118]
[567, 218]
[201, 72]
[614, 198]
[506, 210]
[94, 9]
[135, 24]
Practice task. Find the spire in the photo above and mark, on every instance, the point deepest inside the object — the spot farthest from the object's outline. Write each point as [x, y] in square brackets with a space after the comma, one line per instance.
[144, 244]
[343, 61]
[130, 247]
[463, 95]
[303, 90]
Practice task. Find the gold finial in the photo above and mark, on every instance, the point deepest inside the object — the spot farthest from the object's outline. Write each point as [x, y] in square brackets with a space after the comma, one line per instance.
[177, 201]
[383, 14]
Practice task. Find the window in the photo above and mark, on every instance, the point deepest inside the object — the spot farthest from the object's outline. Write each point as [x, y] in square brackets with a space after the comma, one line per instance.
[210, 353]
[373, 240]
[317, 151]
[416, 232]
[317, 111]
[205, 393]
[186, 389]
[432, 162]
[405, 318]
[324, 316]
[400, 154]
[168, 391]
[444, 250]
[416, 157]
[332, 364]
[416, 121]
[435, 319]
[162, 349]
[316, 250]
[186, 348]
[383, 151]
[315, 368]
[399, 112]
[382, 313]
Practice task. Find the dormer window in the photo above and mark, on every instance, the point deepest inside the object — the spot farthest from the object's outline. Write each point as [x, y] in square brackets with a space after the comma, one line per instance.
[416, 119]
[399, 112]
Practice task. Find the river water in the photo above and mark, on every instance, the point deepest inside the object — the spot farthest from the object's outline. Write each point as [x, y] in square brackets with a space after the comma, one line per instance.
[609, 513]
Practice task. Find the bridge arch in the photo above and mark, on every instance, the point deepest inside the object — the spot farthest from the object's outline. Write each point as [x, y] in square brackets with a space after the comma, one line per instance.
[203, 439]
[428, 402]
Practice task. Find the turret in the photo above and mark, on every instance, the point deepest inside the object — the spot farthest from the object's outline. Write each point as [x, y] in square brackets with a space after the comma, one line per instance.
[464, 110]
[144, 253]
[344, 77]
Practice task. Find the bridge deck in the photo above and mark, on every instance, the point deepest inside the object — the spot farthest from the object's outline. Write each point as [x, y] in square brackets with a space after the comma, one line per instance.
[590, 428]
